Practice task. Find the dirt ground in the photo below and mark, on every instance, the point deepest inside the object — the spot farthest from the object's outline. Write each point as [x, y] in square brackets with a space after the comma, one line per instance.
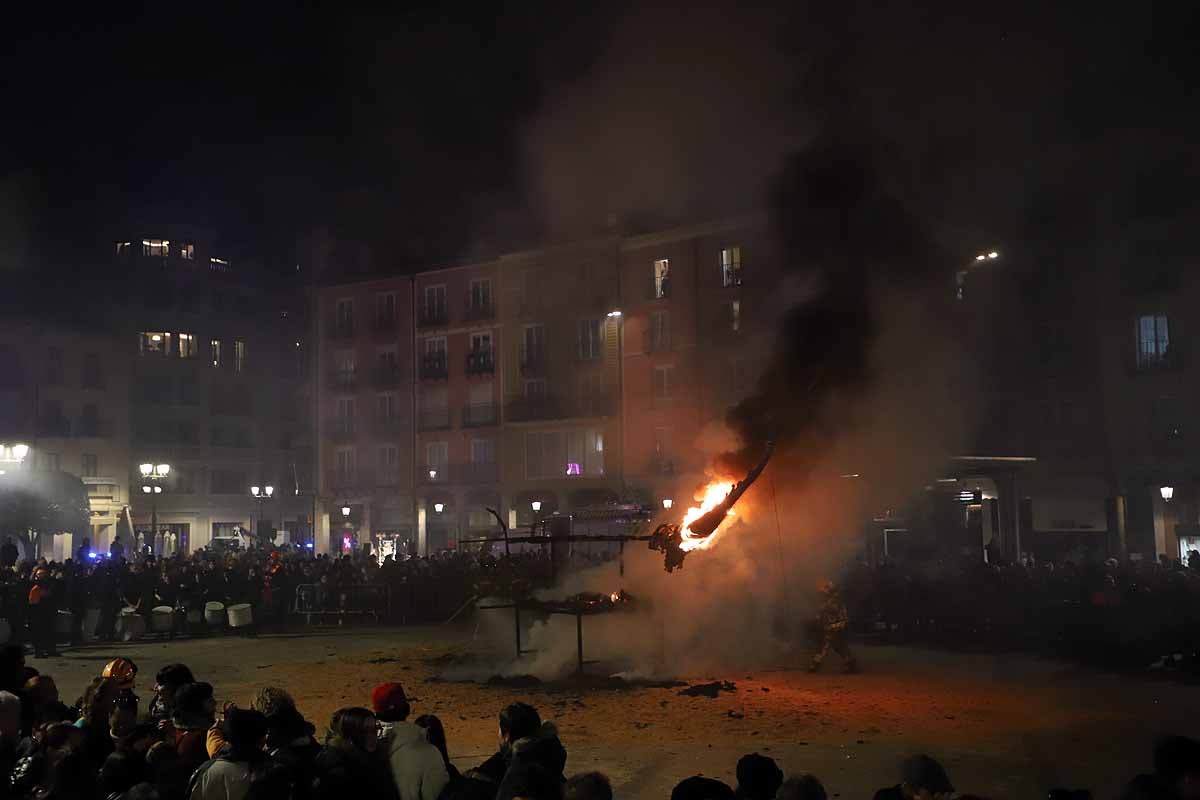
[1005, 726]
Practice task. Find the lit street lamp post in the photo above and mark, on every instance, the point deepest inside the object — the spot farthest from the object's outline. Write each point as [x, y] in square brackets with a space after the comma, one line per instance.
[260, 496]
[152, 477]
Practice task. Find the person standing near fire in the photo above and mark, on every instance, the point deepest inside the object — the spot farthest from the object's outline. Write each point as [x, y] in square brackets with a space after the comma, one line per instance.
[834, 620]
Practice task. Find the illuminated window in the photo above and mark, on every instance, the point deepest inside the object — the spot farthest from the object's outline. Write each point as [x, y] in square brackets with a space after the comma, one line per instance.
[156, 247]
[239, 355]
[585, 452]
[214, 351]
[218, 265]
[662, 278]
[1154, 341]
[123, 248]
[154, 343]
[187, 251]
[731, 266]
[189, 346]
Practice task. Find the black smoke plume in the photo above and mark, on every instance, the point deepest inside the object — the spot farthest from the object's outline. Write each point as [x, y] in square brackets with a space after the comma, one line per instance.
[837, 222]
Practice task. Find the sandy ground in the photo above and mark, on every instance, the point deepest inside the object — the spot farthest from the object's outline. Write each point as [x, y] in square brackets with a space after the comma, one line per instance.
[1005, 726]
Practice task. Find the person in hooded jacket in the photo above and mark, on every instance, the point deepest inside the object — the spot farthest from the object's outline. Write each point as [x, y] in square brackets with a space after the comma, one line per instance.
[524, 741]
[243, 765]
[417, 767]
[349, 766]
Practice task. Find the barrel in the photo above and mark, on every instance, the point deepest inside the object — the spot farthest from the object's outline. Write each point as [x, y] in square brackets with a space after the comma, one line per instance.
[214, 613]
[241, 615]
[162, 619]
[130, 626]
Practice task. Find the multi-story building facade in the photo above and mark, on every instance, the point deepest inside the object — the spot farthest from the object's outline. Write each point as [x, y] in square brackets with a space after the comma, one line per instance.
[365, 412]
[216, 391]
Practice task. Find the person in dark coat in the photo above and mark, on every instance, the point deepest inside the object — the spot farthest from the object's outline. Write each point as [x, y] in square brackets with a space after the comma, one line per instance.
[525, 740]
[349, 765]
[918, 774]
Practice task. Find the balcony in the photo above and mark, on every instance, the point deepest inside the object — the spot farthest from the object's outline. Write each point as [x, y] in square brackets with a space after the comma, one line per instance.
[661, 465]
[478, 473]
[434, 419]
[481, 362]
[433, 367]
[90, 427]
[343, 380]
[344, 479]
[479, 415]
[432, 316]
[342, 428]
[340, 328]
[479, 309]
[387, 376]
[533, 360]
[594, 405]
[528, 409]
[387, 476]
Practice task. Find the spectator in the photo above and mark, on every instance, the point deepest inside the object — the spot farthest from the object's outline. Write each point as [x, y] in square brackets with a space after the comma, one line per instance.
[347, 767]
[98, 702]
[920, 777]
[166, 682]
[120, 773]
[11, 743]
[290, 739]
[759, 778]
[801, 787]
[700, 788]
[436, 735]
[523, 739]
[588, 786]
[418, 769]
[1177, 766]
[243, 763]
[42, 694]
[193, 714]
[530, 782]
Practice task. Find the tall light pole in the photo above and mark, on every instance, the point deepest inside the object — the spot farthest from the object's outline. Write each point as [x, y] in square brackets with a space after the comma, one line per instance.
[260, 495]
[152, 477]
[960, 277]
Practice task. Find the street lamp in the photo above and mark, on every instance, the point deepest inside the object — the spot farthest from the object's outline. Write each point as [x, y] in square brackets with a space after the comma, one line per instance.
[345, 511]
[614, 313]
[667, 503]
[438, 507]
[960, 277]
[261, 494]
[152, 477]
[536, 505]
[1167, 493]
[432, 475]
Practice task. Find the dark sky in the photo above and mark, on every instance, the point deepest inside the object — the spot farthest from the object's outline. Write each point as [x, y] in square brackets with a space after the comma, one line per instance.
[433, 132]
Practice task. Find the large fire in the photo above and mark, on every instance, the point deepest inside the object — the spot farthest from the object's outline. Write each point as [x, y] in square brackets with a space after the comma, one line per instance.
[712, 496]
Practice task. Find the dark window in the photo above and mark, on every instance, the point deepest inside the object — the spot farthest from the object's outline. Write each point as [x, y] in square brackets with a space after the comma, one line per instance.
[1153, 341]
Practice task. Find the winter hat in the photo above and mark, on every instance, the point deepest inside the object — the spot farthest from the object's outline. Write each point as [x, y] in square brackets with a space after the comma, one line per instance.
[389, 702]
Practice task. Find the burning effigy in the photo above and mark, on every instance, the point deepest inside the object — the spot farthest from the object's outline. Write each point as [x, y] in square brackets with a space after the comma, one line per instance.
[701, 524]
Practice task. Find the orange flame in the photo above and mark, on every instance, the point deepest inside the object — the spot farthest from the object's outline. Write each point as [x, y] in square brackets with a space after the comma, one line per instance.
[709, 498]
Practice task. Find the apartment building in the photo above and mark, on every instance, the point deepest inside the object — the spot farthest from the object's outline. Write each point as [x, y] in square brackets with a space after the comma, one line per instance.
[365, 413]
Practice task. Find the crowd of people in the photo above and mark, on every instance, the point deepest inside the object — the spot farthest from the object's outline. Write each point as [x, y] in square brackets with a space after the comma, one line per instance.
[111, 745]
[276, 582]
[1120, 615]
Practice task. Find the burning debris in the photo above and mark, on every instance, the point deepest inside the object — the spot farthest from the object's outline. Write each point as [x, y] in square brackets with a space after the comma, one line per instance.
[699, 524]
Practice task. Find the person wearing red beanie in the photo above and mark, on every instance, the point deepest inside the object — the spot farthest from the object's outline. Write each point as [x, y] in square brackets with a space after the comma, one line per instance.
[417, 767]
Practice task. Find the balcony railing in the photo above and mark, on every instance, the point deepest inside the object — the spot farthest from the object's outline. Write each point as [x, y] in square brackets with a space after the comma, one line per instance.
[478, 473]
[387, 377]
[430, 316]
[661, 465]
[526, 409]
[533, 360]
[433, 367]
[434, 419]
[342, 379]
[594, 405]
[476, 310]
[481, 362]
[479, 415]
[434, 474]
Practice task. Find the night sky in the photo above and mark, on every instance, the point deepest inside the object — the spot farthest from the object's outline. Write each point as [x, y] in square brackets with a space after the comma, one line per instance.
[433, 133]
